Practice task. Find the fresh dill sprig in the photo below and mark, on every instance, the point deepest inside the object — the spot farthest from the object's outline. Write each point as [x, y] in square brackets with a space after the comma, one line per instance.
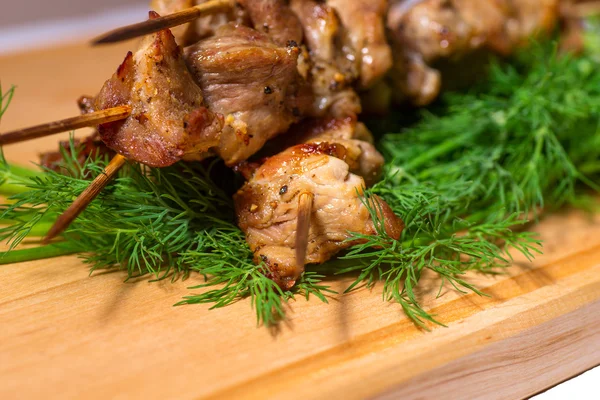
[465, 179]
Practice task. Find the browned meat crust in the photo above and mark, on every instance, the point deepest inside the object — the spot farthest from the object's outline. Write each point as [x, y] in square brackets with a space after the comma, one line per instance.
[168, 120]
[267, 208]
[274, 18]
[253, 82]
[361, 155]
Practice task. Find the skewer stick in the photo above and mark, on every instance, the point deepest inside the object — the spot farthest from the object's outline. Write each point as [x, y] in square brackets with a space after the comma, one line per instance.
[167, 21]
[305, 204]
[91, 119]
[85, 198]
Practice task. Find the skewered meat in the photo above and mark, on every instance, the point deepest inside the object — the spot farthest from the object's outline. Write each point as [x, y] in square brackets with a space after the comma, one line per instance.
[169, 121]
[360, 154]
[253, 82]
[184, 34]
[274, 18]
[267, 208]
[428, 34]
[331, 65]
[364, 24]
[190, 33]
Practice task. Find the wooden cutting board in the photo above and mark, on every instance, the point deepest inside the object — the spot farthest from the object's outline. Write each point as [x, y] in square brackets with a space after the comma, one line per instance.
[65, 334]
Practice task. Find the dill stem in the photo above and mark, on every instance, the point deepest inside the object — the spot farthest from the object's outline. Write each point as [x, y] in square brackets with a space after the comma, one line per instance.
[15, 179]
[36, 253]
[39, 229]
[24, 172]
[441, 149]
[10, 188]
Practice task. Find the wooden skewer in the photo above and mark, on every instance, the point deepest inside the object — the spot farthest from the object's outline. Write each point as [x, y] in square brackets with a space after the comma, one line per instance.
[85, 198]
[167, 21]
[91, 119]
[305, 204]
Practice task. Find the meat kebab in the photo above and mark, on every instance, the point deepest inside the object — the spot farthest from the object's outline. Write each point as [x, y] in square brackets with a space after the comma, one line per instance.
[227, 84]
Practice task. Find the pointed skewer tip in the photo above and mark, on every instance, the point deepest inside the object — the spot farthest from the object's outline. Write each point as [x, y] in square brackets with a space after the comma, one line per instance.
[85, 198]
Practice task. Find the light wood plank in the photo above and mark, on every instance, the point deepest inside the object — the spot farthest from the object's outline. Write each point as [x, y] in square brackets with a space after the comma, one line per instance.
[67, 335]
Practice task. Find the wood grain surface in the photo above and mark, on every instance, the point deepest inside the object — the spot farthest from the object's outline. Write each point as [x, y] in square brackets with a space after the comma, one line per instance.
[65, 334]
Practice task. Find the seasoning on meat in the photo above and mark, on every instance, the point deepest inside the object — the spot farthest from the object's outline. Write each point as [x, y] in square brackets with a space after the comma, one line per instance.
[169, 121]
[268, 214]
[234, 68]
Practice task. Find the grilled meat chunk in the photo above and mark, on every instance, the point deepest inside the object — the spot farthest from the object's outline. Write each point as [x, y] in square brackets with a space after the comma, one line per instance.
[168, 121]
[330, 65]
[267, 208]
[253, 82]
[432, 37]
[360, 154]
[274, 18]
[364, 21]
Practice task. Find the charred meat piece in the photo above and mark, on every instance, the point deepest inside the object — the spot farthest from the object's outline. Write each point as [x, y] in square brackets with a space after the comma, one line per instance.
[274, 18]
[267, 208]
[253, 82]
[364, 22]
[361, 155]
[434, 40]
[331, 64]
[169, 121]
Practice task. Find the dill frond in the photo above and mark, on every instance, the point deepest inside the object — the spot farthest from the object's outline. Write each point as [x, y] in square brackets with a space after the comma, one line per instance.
[467, 178]
[5, 99]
